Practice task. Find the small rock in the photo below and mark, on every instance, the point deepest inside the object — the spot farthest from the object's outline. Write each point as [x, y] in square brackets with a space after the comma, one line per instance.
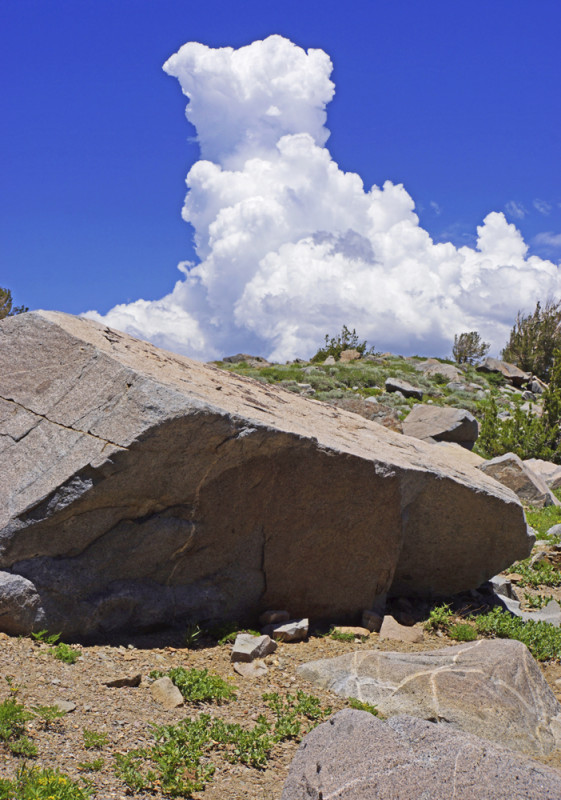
[356, 630]
[248, 647]
[371, 620]
[555, 530]
[349, 355]
[250, 669]
[503, 587]
[329, 360]
[270, 617]
[166, 693]
[293, 631]
[125, 680]
[391, 629]
[65, 705]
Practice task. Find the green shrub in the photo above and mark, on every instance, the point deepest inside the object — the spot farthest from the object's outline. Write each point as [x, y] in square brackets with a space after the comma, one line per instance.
[94, 740]
[360, 706]
[13, 720]
[63, 652]
[462, 632]
[198, 686]
[32, 783]
[439, 618]
[469, 348]
[540, 574]
[534, 339]
[334, 346]
[542, 639]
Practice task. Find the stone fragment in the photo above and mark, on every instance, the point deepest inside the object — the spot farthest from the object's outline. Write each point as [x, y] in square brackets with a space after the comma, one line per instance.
[445, 424]
[406, 389]
[252, 361]
[509, 371]
[371, 620]
[250, 669]
[555, 530]
[293, 631]
[329, 361]
[550, 613]
[356, 630]
[149, 489]
[502, 586]
[511, 471]
[269, 617]
[248, 647]
[166, 693]
[391, 629]
[355, 756]
[547, 470]
[490, 688]
[66, 706]
[349, 355]
[125, 680]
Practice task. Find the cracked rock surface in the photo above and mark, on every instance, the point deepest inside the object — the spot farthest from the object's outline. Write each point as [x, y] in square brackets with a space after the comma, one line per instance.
[490, 688]
[354, 756]
[141, 488]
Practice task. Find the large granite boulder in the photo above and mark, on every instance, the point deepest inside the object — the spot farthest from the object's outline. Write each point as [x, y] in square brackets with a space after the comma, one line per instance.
[443, 424]
[511, 372]
[355, 756]
[140, 487]
[491, 688]
[511, 471]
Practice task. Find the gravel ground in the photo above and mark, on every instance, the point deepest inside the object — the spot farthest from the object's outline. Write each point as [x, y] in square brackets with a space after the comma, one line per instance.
[125, 714]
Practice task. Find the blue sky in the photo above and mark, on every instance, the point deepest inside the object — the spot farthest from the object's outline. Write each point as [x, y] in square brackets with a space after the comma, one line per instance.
[458, 101]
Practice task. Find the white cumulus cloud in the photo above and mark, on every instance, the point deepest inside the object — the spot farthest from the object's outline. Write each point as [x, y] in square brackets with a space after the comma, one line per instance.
[290, 247]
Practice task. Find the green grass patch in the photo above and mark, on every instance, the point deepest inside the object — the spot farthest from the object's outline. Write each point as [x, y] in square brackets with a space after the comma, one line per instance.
[543, 519]
[462, 632]
[94, 740]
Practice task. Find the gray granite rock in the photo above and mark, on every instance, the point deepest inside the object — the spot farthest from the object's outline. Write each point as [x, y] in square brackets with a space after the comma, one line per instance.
[511, 471]
[248, 647]
[443, 423]
[406, 389]
[355, 756]
[490, 688]
[141, 488]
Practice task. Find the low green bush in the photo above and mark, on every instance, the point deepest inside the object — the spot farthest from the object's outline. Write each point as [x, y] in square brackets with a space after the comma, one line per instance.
[32, 783]
[198, 685]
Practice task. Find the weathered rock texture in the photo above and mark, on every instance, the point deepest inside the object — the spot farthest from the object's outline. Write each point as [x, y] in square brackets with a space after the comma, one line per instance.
[546, 470]
[354, 756]
[443, 424]
[140, 488]
[491, 688]
[509, 371]
[511, 471]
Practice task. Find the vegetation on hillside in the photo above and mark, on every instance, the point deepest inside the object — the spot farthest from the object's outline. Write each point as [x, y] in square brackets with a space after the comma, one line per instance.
[534, 338]
[7, 308]
[469, 348]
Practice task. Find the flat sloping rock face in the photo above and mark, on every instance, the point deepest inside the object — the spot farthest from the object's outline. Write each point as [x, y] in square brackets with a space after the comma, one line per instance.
[511, 471]
[140, 487]
[445, 424]
[546, 470]
[355, 756]
[509, 371]
[490, 688]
